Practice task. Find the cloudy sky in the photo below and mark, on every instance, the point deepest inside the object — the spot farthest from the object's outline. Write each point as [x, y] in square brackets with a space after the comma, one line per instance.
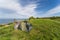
[27, 8]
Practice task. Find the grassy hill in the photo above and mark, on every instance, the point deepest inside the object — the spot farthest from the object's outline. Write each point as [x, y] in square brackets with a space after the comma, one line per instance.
[57, 18]
[43, 29]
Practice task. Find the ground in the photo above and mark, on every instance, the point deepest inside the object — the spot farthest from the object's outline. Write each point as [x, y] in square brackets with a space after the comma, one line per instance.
[43, 29]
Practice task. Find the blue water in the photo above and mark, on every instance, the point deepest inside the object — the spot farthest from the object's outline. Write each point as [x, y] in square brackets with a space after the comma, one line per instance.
[6, 21]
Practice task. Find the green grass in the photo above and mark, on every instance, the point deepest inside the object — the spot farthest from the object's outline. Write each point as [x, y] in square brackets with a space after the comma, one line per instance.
[43, 29]
[56, 19]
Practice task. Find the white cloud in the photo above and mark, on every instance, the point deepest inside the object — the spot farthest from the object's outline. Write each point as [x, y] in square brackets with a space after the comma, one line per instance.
[53, 11]
[26, 11]
[11, 16]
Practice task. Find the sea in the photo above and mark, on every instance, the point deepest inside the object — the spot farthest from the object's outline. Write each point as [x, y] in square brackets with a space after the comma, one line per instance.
[6, 21]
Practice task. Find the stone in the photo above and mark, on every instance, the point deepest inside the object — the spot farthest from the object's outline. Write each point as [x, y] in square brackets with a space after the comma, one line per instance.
[24, 26]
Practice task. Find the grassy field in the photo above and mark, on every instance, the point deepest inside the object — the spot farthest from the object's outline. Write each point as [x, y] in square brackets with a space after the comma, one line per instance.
[43, 29]
[57, 20]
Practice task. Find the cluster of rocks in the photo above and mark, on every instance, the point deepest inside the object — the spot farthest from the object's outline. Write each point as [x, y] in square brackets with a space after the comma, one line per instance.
[23, 25]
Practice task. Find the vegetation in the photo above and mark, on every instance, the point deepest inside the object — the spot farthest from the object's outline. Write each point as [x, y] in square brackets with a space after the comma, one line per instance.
[43, 29]
[31, 17]
[55, 18]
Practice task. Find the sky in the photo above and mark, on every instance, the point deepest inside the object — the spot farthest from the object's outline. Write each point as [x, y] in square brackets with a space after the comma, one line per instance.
[28, 8]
